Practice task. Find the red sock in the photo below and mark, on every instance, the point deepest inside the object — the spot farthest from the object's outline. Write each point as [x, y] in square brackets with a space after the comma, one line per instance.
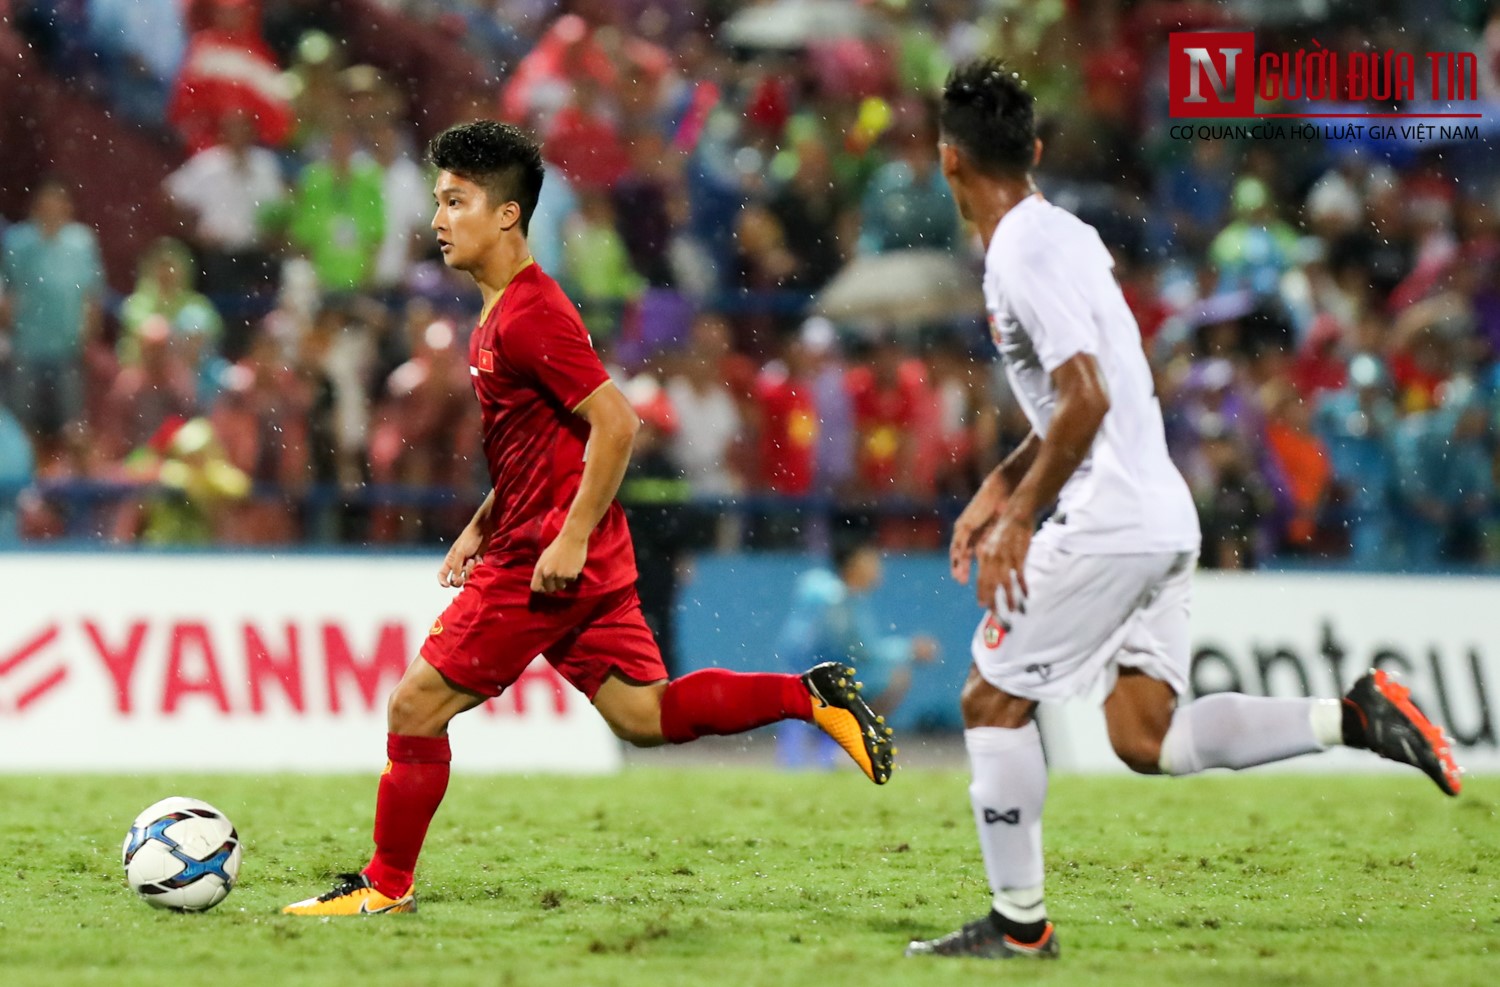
[715, 701]
[410, 791]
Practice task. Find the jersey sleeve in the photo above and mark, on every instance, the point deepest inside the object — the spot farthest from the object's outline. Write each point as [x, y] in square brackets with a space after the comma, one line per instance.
[1045, 298]
[556, 352]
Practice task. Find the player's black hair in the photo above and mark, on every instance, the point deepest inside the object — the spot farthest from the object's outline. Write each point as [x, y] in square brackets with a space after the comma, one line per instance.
[500, 158]
[988, 112]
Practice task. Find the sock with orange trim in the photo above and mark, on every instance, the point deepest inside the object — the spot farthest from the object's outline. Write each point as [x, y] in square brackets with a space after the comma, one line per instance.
[410, 791]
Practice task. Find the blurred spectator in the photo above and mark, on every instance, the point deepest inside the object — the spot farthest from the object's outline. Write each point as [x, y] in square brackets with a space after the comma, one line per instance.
[1301, 474]
[1257, 248]
[1193, 196]
[1357, 423]
[640, 196]
[1231, 500]
[261, 421]
[17, 462]
[1446, 480]
[229, 69]
[655, 496]
[584, 140]
[833, 619]
[907, 203]
[547, 232]
[887, 403]
[164, 287]
[337, 215]
[763, 263]
[597, 266]
[140, 46]
[193, 486]
[226, 192]
[50, 310]
[407, 197]
[319, 103]
[708, 417]
[812, 213]
[156, 388]
[787, 428]
[834, 462]
[416, 436]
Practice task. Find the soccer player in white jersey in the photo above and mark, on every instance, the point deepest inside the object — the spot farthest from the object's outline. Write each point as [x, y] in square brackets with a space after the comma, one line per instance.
[1098, 592]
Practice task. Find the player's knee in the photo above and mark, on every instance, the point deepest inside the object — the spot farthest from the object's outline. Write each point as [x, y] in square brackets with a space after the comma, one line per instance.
[638, 731]
[637, 725]
[409, 712]
[982, 705]
[1141, 753]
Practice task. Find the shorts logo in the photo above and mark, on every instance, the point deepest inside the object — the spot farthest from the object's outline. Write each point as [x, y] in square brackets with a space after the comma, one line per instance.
[487, 361]
[436, 629]
[1043, 671]
[993, 632]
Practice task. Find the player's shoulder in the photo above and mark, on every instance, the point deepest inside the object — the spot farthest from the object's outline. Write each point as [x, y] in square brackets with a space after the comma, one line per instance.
[1036, 236]
[533, 294]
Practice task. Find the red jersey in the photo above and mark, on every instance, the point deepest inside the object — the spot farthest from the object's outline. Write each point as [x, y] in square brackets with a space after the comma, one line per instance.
[532, 362]
[883, 416]
[789, 434]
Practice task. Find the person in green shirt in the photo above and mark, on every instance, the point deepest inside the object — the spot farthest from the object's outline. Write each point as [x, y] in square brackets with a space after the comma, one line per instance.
[164, 286]
[338, 215]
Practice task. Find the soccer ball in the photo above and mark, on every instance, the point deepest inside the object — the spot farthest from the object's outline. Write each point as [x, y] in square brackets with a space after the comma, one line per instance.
[182, 854]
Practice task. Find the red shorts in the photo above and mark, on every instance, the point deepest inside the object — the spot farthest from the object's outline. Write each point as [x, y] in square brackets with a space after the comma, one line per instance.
[496, 625]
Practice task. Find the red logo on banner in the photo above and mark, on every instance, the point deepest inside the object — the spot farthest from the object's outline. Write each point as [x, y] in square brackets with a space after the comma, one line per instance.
[1211, 74]
[34, 683]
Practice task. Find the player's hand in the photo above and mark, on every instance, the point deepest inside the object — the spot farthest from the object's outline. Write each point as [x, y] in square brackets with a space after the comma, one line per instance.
[560, 564]
[459, 563]
[1002, 562]
[977, 519]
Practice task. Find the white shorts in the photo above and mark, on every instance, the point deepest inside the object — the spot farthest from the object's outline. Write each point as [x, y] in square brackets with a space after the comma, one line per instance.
[1086, 615]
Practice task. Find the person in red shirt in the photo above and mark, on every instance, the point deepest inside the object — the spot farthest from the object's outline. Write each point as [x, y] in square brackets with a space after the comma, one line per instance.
[546, 566]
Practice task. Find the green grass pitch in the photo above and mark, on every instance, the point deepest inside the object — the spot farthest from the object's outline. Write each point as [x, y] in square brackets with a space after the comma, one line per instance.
[735, 877]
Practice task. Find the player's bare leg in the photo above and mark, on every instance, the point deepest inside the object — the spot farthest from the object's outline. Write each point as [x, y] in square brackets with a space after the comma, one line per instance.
[411, 788]
[1008, 791]
[718, 702]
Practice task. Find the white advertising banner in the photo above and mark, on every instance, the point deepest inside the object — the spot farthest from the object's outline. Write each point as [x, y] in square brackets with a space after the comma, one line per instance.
[246, 663]
[1311, 634]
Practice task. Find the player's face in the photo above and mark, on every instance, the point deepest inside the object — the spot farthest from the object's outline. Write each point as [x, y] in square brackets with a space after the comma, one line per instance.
[467, 225]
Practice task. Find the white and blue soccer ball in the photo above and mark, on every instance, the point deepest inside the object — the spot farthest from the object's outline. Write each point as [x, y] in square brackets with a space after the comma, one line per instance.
[182, 854]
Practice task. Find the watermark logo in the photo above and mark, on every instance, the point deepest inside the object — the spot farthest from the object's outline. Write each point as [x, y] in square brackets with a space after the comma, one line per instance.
[1211, 74]
[1220, 74]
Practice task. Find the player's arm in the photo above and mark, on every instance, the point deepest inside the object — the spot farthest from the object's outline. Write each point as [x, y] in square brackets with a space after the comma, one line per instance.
[467, 548]
[1082, 402]
[980, 514]
[612, 427]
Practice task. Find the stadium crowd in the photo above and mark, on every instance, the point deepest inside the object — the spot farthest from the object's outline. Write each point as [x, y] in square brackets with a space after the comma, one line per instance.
[287, 362]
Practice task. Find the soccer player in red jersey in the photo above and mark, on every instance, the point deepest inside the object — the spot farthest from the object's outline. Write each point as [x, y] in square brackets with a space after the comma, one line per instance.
[546, 566]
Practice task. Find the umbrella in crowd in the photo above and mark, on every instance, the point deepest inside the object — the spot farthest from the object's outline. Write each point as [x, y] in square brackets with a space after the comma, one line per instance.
[792, 24]
[902, 289]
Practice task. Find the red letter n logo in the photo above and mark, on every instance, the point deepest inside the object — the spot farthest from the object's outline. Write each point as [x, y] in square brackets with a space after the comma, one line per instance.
[1211, 74]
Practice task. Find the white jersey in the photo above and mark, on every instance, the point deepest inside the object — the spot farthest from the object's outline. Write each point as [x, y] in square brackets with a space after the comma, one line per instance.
[1051, 294]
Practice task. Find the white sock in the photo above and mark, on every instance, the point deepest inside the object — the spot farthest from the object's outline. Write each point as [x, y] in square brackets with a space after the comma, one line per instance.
[1228, 730]
[1008, 790]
